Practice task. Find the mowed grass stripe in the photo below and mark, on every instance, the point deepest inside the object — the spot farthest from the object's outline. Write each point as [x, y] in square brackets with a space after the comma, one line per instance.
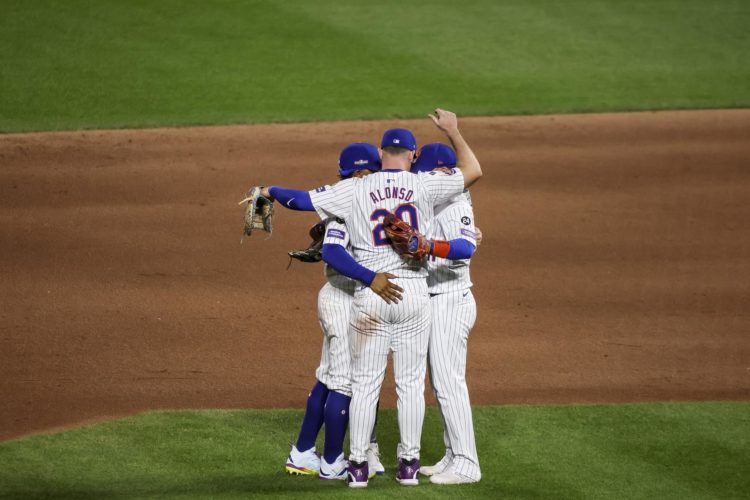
[83, 64]
[676, 450]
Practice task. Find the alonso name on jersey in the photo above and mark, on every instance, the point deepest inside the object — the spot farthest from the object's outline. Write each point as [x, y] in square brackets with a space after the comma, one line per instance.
[390, 193]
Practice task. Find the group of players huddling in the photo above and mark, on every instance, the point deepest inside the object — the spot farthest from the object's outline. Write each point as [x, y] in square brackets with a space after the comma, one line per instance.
[378, 300]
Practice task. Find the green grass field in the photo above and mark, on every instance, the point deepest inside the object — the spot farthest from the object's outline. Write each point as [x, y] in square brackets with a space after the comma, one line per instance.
[680, 451]
[112, 63]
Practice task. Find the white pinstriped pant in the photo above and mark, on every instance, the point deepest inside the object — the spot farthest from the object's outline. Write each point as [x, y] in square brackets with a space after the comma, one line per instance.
[404, 329]
[334, 314]
[453, 316]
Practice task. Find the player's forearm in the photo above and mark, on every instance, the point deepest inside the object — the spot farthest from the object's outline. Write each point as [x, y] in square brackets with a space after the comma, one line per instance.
[338, 258]
[457, 249]
[292, 198]
[466, 159]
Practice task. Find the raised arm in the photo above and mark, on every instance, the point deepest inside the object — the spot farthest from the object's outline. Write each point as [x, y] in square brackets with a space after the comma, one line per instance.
[467, 161]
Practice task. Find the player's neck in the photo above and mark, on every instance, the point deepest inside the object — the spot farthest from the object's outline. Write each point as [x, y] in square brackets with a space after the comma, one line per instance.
[395, 164]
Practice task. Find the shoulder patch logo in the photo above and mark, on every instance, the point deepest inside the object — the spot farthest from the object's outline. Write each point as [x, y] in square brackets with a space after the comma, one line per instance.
[465, 220]
[320, 189]
[335, 233]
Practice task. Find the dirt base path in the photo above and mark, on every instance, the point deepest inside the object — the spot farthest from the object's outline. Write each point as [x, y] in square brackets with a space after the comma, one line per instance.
[615, 264]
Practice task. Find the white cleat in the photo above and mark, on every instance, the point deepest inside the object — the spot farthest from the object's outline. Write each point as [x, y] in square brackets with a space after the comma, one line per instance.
[303, 462]
[439, 467]
[336, 470]
[373, 460]
[449, 476]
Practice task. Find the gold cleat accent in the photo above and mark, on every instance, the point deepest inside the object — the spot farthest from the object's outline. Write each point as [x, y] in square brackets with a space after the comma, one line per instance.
[297, 472]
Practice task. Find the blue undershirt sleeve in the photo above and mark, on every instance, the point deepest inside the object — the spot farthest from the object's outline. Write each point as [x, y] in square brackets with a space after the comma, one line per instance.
[460, 249]
[292, 198]
[338, 258]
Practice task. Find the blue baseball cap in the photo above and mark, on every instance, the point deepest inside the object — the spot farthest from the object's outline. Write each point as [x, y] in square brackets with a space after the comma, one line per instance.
[358, 156]
[432, 156]
[399, 138]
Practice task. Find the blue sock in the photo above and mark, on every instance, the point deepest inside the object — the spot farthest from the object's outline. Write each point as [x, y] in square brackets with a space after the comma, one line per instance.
[337, 419]
[313, 420]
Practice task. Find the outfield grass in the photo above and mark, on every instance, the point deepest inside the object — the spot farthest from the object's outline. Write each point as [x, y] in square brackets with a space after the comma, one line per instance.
[678, 451]
[113, 63]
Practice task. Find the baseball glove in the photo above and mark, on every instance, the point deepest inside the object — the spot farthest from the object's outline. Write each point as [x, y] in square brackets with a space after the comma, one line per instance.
[314, 252]
[258, 212]
[407, 241]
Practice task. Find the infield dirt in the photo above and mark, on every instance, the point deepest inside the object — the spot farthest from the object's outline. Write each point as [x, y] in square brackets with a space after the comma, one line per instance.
[614, 266]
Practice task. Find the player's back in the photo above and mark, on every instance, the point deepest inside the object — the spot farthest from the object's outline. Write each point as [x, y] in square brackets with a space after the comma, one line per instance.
[364, 203]
[388, 191]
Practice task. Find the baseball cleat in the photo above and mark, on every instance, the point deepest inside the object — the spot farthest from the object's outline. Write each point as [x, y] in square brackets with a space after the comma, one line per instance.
[336, 470]
[303, 463]
[407, 472]
[373, 460]
[441, 466]
[450, 476]
[357, 475]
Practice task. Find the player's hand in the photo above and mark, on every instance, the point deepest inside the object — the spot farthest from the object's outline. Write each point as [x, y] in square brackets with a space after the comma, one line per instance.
[478, 235]
[445, 120]
[387, 290]
[266, 193]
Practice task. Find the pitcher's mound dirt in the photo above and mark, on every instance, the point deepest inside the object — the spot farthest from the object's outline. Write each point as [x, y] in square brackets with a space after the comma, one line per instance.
[614, 267]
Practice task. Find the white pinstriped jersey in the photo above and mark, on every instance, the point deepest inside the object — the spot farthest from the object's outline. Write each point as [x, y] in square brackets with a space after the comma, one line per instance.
[337, 234]
[452, 220]
[454, 313]
[334, 312]
[453, 317]
[364, 202]
[378, 327]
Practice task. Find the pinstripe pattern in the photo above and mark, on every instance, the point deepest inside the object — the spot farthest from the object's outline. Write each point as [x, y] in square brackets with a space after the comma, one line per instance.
[454, 312]
[357, 200]
[334, 314]
[453, 316]
[454, 220]
[376, 327]
[338, 234]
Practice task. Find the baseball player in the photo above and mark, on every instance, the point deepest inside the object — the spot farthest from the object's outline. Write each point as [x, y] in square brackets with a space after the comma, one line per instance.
[328, 401]
[453, 315]
[380, 326]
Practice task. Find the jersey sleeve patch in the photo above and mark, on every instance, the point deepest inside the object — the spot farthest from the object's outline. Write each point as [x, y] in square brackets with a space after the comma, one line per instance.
[336, 233]
[469, 233]
[320, 189]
